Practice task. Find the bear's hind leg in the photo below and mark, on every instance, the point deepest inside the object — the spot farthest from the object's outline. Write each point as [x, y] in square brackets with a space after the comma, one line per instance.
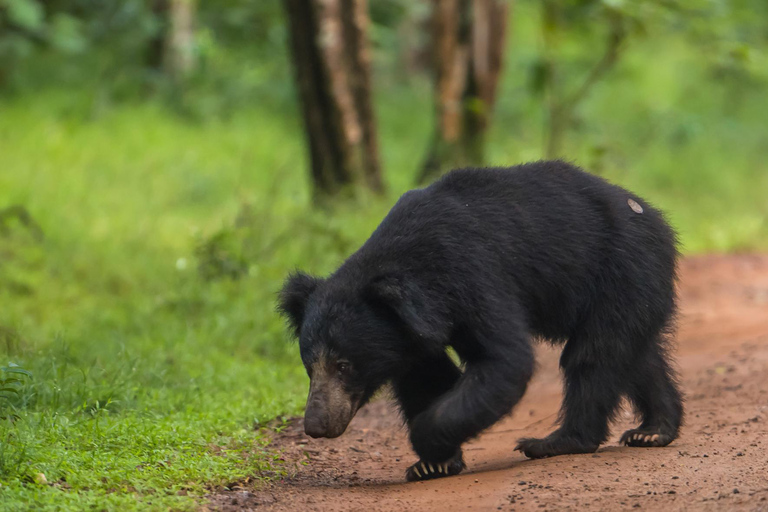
[593, 388]
[654, 392]
[416, 390]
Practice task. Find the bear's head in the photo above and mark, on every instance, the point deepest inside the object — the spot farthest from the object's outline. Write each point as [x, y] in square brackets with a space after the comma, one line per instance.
[353, 337]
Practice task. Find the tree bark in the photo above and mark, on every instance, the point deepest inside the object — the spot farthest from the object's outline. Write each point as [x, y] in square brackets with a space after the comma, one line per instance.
[180, 52]
[468, 48]
[172, 49]
[331, 58]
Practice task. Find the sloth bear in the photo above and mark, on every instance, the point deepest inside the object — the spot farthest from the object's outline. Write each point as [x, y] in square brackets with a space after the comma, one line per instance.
[485, 261]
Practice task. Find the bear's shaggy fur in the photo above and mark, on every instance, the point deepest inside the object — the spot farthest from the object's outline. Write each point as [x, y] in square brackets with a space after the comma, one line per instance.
[484, 261]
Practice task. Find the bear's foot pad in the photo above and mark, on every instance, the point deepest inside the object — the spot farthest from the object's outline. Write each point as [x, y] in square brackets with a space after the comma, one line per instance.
[424, 470]
[552, 445]
[645, 438]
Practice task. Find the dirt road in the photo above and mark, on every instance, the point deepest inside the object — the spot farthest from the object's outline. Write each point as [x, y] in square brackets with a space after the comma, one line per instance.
[719, 463]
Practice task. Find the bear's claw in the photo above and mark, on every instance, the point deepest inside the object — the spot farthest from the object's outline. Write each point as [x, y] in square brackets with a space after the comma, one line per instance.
[424, 470]
[645, 438]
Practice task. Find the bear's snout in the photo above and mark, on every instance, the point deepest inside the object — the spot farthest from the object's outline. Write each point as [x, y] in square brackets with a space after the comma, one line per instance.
[314, 430]
[326, 417]
[330, 407]
[315, 425]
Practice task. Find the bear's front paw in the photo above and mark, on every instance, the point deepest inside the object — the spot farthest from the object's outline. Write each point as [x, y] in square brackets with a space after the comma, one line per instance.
[424, 470]
[557, 443]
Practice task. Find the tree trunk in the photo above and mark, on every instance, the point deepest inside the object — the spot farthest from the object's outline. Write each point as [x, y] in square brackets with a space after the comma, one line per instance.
[556, 123]
[331, 59]
[180, 52]
[172, 49]
[156, 47]
[468, 46]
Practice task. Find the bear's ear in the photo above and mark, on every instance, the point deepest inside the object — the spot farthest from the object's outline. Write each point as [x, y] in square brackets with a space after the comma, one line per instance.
[292, 300]
[409, 303]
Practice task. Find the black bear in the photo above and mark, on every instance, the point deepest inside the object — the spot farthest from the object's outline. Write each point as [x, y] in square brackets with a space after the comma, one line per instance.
[485, 261]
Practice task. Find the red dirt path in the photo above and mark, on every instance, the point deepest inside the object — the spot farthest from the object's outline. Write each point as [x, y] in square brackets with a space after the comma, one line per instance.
[720, 462]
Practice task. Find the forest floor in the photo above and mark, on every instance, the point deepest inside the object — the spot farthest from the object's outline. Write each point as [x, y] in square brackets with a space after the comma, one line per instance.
[719, 462]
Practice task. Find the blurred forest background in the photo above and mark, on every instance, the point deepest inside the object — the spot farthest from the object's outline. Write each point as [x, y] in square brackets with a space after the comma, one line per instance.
[165, 163]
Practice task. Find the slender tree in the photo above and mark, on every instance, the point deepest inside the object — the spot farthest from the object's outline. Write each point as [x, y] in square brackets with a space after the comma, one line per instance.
[172, 49]
[180, 52]
[468, 39]
[329, 45]
[560, 103]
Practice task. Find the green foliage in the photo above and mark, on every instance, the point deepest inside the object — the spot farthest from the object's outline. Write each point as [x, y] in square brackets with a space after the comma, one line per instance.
[25, 14]
[13, 379]
[24, 25]
[660, 118]
[244, 22]
[153, 381]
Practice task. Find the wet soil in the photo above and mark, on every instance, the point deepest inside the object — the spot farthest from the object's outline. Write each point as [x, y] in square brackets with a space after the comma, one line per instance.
[720, 462]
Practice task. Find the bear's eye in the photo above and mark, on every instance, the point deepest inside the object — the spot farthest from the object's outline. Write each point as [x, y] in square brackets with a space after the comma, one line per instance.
[343, 367]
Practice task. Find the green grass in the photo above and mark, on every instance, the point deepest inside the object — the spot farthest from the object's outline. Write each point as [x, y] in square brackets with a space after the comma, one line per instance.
[153, 385]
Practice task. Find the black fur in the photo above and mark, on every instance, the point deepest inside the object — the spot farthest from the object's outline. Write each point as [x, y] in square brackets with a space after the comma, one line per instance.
[293, 297]
[484, 260]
